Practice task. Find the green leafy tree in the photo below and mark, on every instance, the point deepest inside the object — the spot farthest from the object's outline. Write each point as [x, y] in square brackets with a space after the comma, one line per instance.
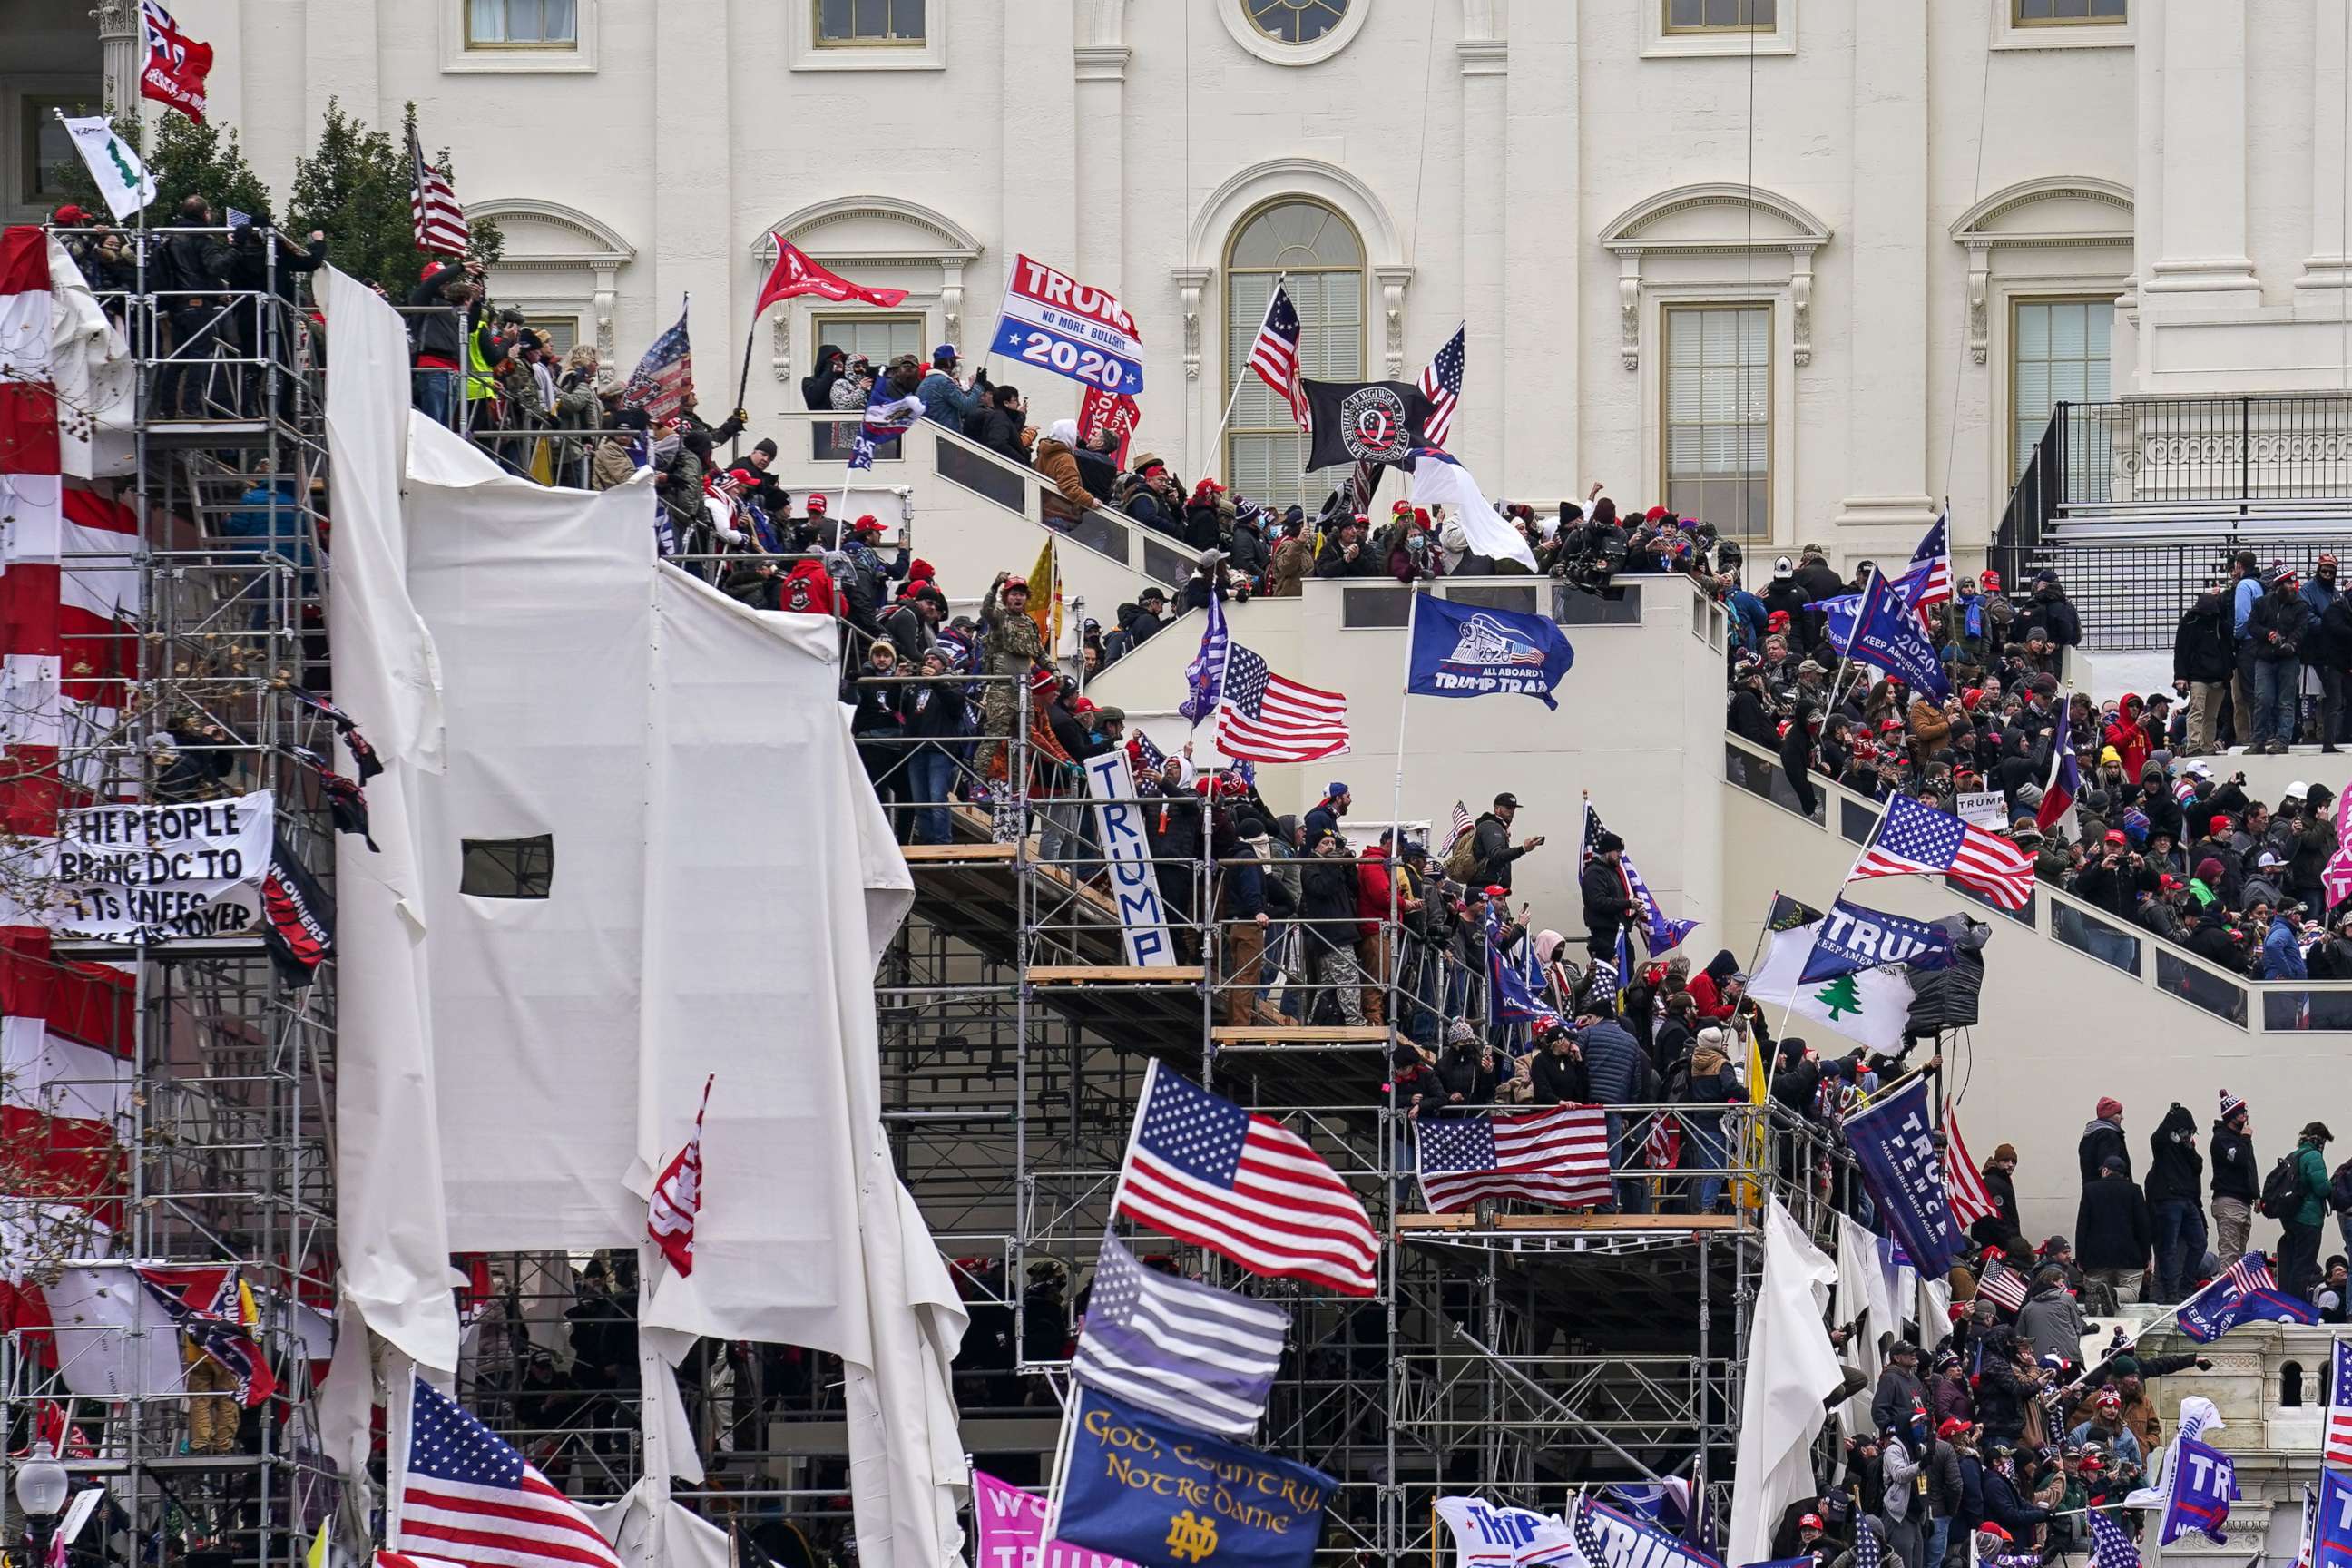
[186, 160]
[355, 186]
[1841, 996]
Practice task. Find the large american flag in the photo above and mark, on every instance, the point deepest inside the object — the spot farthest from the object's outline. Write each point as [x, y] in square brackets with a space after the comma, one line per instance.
[1192, 1352]
[2002, 1286]
[1270, 718]
[659, 384]
[433, 208]
[472, 1500]
[2336, 1438]
[1963, 1182]
[1274, 353]
[1915, 839]
[2110, 1546]
[1559, 1156]
[1202, 1170]
[1442, 384]
[1927, 580]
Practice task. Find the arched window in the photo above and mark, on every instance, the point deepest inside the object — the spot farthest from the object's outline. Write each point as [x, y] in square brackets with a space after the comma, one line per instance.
[2290, 1384]
[1318, 258]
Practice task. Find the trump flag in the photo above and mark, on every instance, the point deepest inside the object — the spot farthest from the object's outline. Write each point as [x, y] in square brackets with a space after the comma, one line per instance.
[1464, 650]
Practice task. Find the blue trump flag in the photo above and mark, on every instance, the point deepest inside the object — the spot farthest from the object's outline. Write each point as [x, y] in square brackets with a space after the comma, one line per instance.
[1887, 634]
[1165, 1496]
[1894, 1147]
[2331, 1528]
[2245, 1292]
[1851, 937]
[1463, 650]
[2204, 1485]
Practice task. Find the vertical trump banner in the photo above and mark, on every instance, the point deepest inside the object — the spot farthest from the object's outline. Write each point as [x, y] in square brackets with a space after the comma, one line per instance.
[1127, 854]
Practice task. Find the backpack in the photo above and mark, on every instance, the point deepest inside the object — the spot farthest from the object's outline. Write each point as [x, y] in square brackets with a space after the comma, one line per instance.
[1462, 863]
[2340, 1188]
[2282, 1189]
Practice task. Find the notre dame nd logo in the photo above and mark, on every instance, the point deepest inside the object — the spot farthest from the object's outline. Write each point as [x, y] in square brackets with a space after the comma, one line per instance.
[1372, 425]
[1190, 1537]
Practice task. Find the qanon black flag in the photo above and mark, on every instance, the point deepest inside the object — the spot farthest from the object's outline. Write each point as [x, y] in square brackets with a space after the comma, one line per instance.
[1365, 422]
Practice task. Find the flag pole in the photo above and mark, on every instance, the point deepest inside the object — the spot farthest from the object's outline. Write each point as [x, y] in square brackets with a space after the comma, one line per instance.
[1217, 441]
[1396, 820]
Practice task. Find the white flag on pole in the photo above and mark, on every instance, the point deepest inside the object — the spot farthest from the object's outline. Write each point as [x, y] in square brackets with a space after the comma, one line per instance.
[121, 178]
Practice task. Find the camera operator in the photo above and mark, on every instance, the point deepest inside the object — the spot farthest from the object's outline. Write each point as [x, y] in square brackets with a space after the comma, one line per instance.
[1591, 551]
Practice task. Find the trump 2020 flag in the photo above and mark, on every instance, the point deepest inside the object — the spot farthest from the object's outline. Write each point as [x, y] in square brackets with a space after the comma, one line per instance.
[1851, 937]
[1894, 1147]
[1144, 1489]
[1886, 634]
[678, 1196]
[2204, 1485]
[886, 417]
[1440, 479]
[1463, 650]
[1495, 1535]
[2245, 1292]
[2331, 1528]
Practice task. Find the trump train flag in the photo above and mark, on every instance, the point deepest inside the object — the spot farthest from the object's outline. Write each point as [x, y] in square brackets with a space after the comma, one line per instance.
[1463, 650]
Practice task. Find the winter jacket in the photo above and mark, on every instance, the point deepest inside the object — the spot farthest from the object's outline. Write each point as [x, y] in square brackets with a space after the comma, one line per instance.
[2283, 951]
[1328, 899]
[2100, 1138]
[1287, 568]
[1494, 850]
[2112, 1227]
[816, 389]
[1097, 471]
[1462, 1070]
[1752, 721]
[999, 430]
[2283, 616]
[2175, 1170]
[2051, 1322]
[1953, 1400]
[1558, 1080]
[614, 463]
[2204, 648]
[1616, 1071]
[1056, 462]
[2236, 1175]
[1606, 901]
[944, 401]
[2006, 1507]
[1331, 559]
[2313, 1168]
[1897, 1395]
[2055, 614]
[2003, 1192]
[1248, 556]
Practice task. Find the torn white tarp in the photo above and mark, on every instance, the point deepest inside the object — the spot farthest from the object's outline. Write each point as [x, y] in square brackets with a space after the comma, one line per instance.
[1790, 1368]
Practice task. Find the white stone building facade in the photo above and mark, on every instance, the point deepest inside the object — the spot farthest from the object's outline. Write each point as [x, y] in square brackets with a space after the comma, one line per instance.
[1803, 267]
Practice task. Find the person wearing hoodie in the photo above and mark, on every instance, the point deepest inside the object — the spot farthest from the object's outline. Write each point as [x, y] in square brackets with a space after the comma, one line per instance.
[2176, 1198]
[2298, 1258]
[1057, 459]
[2051, 1322]
[1715, 990]
[2283, 948]
[2001, 1186]
[1709, 1082]
[816, 388]
[2103, 1136]
[2236, 1179]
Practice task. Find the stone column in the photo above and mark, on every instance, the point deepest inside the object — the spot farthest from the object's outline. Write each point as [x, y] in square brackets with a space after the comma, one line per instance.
[1886, 429]
[693, 251]
[1098, 141]
[2327, 267]
[2202, 237]
[1542, 419]
[119, 49]
[1479, 436]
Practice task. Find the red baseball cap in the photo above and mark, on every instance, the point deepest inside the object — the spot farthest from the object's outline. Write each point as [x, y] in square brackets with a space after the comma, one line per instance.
[1809, 1522]
[817, 503]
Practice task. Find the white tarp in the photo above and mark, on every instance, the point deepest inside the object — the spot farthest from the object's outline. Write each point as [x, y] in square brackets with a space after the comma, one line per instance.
[1790, 1368]
[90, 363]
[114, 1339]
[627, 712]
[1862, 1284]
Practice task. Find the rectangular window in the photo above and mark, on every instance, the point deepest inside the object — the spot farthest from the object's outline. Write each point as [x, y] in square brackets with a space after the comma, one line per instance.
[1717, 415]
[2057, 353]
[506, 868]
[1265, 453]
[521, 25]
[48, 152]
[1720, 16]
[869, 24]
[879, 338]
[2066, 13]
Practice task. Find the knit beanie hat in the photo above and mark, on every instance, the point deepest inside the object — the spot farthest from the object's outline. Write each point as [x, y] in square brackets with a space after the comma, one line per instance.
[2231, 1105]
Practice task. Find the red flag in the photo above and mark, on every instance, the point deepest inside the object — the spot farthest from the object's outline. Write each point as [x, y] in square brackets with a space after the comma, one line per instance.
[796, 275]
[1119, 412]
[176, 64]
[678, 1196]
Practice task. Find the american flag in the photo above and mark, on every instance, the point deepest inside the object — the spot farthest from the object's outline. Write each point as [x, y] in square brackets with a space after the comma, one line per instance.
[1558, 1156]
[1270, 718]
[1869, 1552]
[2001, 1285]
[1149, 758]
[471, 1500]
[1662, 1149]
[1963, 1182]
[1659, 934]
[659, 383]
[1192, 1352]
[676, 1198]
[1927, 580]
[239, 219]
[2110, 1546]
[1202, 1170]
[433, 208]
[1463, 822]
[1442, 384]
[1588, 1539]
[1914, 839]
[2336, 1438]
[1274, 353]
